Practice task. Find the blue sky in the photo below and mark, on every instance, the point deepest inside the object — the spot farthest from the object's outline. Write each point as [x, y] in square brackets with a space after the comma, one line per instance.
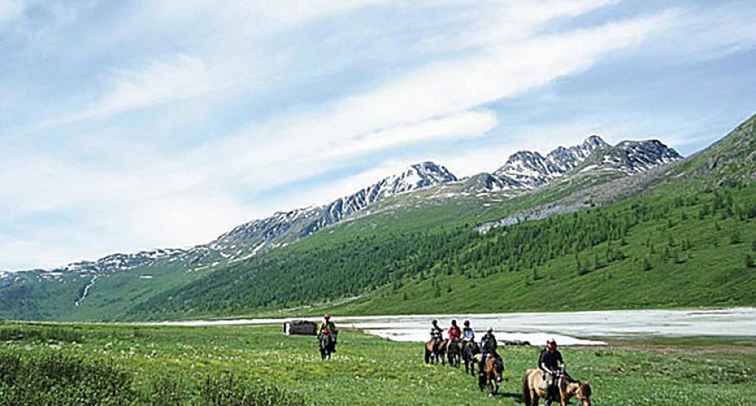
[132, 125]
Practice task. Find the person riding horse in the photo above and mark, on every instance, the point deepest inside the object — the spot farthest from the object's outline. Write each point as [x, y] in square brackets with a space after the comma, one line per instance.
[469, 348]
[488, 346]
[551, 363]
[468, 334]
[454, 332]
[454, 344]
[328, 329]
[436, 333]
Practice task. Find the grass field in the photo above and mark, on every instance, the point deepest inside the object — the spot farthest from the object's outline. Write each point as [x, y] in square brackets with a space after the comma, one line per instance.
[182, 365]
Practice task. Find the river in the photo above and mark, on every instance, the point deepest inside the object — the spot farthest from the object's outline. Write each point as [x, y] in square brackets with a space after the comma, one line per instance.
[568, 328]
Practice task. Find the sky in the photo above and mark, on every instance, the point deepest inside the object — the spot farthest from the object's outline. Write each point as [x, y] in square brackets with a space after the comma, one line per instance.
[132, 125]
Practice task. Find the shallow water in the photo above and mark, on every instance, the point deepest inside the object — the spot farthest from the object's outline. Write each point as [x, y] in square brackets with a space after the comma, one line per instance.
[567, 328]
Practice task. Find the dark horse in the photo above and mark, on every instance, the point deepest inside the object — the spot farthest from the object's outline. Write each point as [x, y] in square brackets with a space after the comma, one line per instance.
[491, 373]
[454, 353]
[469, 350]
[435, 350]
[327, 345]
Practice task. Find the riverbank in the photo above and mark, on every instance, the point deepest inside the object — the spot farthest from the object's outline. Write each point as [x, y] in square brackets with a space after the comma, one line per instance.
[569, 328]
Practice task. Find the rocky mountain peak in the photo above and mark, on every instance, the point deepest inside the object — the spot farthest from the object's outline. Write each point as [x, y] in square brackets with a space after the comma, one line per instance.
[419, 175]
[594, 141]
[282, 227]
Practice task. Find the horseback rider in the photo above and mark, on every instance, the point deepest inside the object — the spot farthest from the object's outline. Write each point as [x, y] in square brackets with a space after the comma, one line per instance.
[468, 335]
[436, 333]
[488, 345]
[328, 328]
[551, 363]
[454, 332]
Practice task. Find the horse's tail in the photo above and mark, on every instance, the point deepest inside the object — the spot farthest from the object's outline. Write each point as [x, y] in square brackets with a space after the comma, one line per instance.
[427, 355]
[526, 390]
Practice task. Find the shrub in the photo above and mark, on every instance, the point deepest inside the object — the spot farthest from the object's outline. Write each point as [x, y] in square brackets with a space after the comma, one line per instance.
[647, 264]
[227, 389]
[40, 333]
[55, 379]
[167, 390]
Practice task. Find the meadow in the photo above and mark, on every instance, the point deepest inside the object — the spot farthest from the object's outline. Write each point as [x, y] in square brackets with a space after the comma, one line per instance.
[158, 365]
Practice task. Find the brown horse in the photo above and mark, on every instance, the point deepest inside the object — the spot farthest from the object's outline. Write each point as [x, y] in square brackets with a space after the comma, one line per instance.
[435, 351]
[532, 392]
[491, 374]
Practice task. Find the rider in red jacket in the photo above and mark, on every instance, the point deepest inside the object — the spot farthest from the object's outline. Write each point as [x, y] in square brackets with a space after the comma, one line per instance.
[454, 332]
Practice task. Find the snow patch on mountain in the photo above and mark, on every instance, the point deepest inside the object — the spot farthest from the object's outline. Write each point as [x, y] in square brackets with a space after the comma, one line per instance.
[532, 170]
[522, 172]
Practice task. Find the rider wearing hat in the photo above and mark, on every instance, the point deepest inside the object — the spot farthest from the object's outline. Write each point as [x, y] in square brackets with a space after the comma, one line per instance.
[467, 332]
[551, 363]
[488, 345]
[436, 333]
[454, 332]
[327, 327]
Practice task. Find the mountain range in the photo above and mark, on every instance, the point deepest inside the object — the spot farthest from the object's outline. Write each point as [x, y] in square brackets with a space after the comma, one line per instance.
[527, 186]
[522, 172]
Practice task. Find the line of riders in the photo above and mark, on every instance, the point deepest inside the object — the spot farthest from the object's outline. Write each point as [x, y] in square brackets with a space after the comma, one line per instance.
[549, 381]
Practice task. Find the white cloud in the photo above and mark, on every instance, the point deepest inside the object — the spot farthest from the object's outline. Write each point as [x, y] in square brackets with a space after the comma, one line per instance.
[171, 79]
[139, 196]
[458, 125]
[11, 10]
[508, 22]
[430, 97]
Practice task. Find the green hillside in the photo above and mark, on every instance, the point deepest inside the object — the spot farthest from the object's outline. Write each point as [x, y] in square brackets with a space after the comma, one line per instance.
[687, 241]
[673, 247]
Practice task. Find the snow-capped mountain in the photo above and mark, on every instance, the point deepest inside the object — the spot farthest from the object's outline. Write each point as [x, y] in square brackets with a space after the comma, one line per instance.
[283, 227]
[632, 157]
[567, 159]
[121, 262]
[528, 170]
[531, 170]
[417, 176]
[523, 171]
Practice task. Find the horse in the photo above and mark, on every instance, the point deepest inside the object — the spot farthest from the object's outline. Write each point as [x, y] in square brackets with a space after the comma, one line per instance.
[491, 373]
[532, 389]
[435, 351]
[327, 345]
[469, 350]
[454, 352]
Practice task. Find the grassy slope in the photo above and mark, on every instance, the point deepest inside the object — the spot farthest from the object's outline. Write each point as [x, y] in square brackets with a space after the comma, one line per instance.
[713, 274]
[38, 299]
[370, 371]
[114, 293]
[111, 295]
